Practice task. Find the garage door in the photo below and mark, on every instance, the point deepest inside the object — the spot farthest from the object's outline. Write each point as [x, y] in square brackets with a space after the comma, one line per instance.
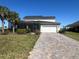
[48, 28]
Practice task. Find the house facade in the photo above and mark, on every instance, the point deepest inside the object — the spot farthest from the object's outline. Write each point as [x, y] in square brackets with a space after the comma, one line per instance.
[42, 23]
[73, 27]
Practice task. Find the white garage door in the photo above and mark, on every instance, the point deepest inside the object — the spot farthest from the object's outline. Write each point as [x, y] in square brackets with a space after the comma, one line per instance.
[48, 28]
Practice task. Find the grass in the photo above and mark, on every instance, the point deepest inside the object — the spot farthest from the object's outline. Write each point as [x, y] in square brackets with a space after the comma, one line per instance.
[73, 35]
[16, 46]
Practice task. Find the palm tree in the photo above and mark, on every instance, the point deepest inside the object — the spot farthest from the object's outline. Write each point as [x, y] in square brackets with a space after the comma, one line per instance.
[15, 22]
[3, 11]
[14, 19]
[8, 17]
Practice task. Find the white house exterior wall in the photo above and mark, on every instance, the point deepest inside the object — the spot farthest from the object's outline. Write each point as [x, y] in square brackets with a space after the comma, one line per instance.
[58, 28]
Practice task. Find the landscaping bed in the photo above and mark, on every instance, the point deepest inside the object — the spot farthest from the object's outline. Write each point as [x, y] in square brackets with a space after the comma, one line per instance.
[16, 46]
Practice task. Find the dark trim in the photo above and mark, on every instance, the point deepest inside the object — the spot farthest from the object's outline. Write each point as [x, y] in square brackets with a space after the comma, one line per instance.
[39, 17]
[43, 22]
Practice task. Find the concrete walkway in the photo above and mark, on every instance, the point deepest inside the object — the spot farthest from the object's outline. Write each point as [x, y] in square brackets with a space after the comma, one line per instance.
[55, 46]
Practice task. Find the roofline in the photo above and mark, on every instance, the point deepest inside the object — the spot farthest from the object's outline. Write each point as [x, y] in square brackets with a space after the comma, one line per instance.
[43, 22]
[39, 17]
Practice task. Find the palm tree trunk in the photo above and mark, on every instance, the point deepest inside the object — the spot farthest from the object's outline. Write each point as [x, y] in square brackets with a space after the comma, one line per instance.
[2, 26]
[13, 28]
[8, 25]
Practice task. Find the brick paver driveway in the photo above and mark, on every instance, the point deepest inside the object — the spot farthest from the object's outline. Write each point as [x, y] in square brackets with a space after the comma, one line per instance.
[55, 46]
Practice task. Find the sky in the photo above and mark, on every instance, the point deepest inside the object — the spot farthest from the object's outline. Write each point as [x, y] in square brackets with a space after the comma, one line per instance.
[65, 11]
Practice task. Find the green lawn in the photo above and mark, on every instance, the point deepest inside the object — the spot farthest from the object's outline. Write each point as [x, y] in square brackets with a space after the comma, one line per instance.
[16, 46]
[73, 35]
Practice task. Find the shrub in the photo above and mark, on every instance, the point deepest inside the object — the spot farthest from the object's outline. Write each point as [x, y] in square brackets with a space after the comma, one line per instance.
[5, 33]
[21, 31]
[62, 31]
[37, 32]
[28, 30]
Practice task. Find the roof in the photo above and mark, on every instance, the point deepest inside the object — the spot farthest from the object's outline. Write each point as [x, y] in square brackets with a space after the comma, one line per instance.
[76, 23]
[39, 17]
[73, 24]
